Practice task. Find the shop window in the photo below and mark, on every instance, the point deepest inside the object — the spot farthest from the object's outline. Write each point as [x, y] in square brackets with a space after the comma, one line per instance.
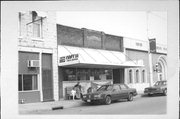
[69, 74]
[28, 82]
[109, 74]
[137, 76]
[73, 74]
[130, 76]
[83, 74]
[143, 76]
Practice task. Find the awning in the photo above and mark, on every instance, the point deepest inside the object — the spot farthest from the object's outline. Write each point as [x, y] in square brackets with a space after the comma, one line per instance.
[94, 58]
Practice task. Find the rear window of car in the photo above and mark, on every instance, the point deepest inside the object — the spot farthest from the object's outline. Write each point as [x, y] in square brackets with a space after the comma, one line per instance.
[105, 88]
[160, 83]
[123, 86]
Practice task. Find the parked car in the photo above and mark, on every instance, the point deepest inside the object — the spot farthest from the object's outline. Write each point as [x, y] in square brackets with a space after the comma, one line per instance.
[158, 87]
[111, 92]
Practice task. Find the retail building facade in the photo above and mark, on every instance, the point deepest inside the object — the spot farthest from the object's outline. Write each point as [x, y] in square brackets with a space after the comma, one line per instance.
[53, 57]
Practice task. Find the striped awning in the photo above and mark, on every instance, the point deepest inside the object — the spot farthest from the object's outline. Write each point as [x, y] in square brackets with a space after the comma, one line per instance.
[96, 58]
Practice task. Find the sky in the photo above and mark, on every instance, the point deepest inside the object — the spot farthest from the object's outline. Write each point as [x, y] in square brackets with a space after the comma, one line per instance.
[137, 24]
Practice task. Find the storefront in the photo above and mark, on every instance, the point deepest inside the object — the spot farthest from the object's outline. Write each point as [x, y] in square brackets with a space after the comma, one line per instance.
[89, 66]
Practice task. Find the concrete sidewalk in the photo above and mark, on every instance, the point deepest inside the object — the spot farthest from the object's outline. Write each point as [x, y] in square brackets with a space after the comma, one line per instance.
[45, 106]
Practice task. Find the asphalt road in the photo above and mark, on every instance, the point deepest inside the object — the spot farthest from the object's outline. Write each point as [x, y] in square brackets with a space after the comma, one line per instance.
[140, 105]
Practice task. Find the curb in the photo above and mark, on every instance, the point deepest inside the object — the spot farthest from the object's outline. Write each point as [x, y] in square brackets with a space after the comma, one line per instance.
[52, 107]
[59, 106]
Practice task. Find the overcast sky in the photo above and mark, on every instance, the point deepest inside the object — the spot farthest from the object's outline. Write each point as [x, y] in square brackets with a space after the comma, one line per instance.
[121, 23]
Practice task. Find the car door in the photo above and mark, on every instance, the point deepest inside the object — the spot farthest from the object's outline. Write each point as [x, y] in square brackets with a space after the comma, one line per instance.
[124, 91]
[115, 92]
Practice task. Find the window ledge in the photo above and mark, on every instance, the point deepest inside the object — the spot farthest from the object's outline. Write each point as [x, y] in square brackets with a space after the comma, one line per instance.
[37, 39]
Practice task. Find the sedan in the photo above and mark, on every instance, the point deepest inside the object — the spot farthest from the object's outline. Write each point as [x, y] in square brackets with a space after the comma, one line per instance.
[111, 92]
[160, 87]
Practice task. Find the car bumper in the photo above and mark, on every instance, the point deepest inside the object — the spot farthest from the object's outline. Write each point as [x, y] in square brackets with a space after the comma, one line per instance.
[92, 99]
[153, 92]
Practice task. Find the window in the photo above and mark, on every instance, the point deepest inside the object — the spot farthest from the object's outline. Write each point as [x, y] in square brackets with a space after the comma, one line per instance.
[28, 82]
[116, 88]
[69, 74]
[143, 76]
[36, 30]
[73, 74]
[130, 76]
[137, 76]
[123, 86]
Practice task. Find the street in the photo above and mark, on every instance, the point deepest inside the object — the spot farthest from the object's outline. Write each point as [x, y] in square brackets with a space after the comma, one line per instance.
[140, 105]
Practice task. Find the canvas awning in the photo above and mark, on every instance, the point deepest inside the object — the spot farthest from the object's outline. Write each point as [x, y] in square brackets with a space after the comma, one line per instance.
[94, 58]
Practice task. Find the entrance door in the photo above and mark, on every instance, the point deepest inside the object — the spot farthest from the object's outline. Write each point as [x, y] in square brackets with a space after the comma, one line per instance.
[118, 76]
[47, 80]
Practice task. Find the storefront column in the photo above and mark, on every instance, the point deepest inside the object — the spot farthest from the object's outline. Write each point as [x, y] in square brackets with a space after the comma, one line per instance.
[40, 76]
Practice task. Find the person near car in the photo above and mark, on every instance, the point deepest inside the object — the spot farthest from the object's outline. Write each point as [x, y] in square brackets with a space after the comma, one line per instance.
[77, 88]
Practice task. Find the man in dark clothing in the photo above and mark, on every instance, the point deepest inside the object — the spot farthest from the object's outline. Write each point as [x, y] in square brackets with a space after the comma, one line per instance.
[77, 88]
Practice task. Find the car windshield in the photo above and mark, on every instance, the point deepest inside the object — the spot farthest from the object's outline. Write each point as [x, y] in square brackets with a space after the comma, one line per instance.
[105, 88]
[160, 83]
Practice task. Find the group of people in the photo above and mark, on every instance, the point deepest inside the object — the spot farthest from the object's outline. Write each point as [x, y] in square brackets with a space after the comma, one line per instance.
[77, 90]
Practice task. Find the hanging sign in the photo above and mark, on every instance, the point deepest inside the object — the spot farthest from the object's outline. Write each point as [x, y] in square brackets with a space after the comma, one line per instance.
[152, 45]
[69, 58]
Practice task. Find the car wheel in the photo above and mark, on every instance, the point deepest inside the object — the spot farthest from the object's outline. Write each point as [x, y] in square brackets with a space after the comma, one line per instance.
[130, 97]
[108, 100]
[149, 94]
[165, 92]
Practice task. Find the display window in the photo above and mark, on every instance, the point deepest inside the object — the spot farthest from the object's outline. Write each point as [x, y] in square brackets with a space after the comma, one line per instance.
[83, 74]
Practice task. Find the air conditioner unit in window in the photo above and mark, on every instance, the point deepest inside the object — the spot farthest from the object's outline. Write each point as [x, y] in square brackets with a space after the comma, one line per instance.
[33, 63]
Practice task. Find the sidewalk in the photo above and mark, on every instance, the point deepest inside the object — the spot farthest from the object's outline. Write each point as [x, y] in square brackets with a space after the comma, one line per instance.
[47, 106]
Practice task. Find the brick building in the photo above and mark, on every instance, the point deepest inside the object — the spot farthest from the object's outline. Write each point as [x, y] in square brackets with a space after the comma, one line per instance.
[38, 77]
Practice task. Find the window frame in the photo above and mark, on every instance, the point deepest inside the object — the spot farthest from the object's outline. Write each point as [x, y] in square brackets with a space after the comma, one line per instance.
[37, 83]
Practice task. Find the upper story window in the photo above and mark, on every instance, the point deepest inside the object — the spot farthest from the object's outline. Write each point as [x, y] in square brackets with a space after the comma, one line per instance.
[34, 28]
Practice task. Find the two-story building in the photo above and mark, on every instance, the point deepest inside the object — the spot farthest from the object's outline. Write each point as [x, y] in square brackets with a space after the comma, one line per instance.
[37, 49]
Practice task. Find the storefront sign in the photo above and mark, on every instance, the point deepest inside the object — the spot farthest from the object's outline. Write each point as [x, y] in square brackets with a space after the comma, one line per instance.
[68, 58]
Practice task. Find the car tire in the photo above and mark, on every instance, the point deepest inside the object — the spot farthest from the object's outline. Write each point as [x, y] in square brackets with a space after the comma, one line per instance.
[130, 97]
[165, 92]
[108, 100]
[149, 94]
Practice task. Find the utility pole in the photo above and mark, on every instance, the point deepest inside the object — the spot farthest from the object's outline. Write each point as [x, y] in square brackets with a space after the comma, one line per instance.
[149, 53]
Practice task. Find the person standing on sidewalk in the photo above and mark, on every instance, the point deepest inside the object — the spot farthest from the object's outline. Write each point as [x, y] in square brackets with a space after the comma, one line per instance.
[77, 88]
[73, 92]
